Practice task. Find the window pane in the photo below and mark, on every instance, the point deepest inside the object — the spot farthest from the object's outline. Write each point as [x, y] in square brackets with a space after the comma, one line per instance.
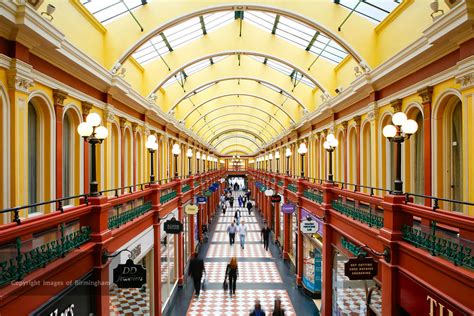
[106, 10]
[373, 10]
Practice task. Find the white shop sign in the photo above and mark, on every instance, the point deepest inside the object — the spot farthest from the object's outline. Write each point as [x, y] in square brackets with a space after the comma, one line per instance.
[309, 227]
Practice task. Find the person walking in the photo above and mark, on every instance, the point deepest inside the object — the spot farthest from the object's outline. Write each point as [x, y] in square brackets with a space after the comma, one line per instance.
[232, 272]
[237, 216]
[224, 207]
[241, 201]
[231, 201]
[277, 309]
[231, 229]
[249, 207]
[242, 234]
[265, 232]
[196, 270]
[257, 311]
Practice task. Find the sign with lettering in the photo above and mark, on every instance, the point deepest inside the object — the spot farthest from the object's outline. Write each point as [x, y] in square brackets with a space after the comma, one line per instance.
[208, 193]
[276, 198]
[77, 299]
[309, 227]
[173, 226]
[191, 209]
[129, 275]
[135, 252]
[417, 299]
[213, 188]
[201, 199]
[269, 192]
[360, 268]
[288, 208]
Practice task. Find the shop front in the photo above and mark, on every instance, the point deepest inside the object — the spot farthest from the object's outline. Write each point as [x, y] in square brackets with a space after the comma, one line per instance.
[169, 263]
[132, 300]
[77, 299]
[415, 298]
[281, 218]
[312, 258]
[354, 297]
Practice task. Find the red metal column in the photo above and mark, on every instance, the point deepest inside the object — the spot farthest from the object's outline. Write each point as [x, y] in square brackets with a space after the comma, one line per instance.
[358, 137]
[200, 221]
[299, 244]
[426, 95]
[156, 265]
[134, 153]
[86, 107]
[58, 97]
[122, 152]
[277, 220]
[181, 258]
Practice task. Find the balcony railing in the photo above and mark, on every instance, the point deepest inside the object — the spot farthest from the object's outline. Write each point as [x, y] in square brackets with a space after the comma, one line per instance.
[118, 220]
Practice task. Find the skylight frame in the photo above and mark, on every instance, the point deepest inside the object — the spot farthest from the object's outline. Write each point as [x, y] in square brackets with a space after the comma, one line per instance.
[107, 6]
[374, 11]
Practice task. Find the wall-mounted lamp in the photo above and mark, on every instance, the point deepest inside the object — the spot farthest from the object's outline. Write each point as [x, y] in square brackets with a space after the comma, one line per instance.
[48, 13]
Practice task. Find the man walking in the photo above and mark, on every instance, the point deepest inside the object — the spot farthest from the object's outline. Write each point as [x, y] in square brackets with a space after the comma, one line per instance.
[249, 207]
[266, 236]
[196, 269]
[231, 229]
[242, 234]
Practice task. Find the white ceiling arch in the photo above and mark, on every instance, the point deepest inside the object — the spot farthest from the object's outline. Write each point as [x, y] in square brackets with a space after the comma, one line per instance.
[258, 80]
[239, 114]
[238, 52]
[242, 7]
[232, 122]
[233, 130]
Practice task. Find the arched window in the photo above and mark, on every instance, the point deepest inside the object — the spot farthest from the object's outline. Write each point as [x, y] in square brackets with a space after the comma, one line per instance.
[128, 157]
[32, 156]
[339, 157]
[366, 157]
[417, 177]
[352, 155]
[448, 144]
[5, 153]
[68, 145]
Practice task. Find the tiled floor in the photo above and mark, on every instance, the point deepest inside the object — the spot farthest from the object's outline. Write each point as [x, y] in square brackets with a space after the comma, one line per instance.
[129, 302]
[263, 275]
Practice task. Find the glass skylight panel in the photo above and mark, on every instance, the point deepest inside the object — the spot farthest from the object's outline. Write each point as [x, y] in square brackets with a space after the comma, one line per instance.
[298, 34]
[373, 10]
[106, 10]
[218, 19]
[150, 50]
[184, 32]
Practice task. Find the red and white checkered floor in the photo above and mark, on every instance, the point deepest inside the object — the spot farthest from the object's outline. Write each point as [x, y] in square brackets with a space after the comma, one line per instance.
[258, 274]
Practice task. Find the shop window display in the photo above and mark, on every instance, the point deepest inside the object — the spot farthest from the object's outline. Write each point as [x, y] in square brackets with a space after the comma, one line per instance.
[312, 264]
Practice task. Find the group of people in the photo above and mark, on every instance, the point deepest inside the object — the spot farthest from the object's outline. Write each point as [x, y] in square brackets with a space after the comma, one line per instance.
[241, 228]
[277, 309]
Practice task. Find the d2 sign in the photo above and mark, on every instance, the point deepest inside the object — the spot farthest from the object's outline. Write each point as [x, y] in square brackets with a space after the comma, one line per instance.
[309, 227]
[191, 209]
[129, 275]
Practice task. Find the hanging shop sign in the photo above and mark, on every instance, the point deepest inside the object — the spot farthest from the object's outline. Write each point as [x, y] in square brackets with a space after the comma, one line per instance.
[213, 188]
[129, 275]
[173, 226]
[360, 268]
[262, 188]
[288, 208]
[208, 193]
[276, 198]
[222, 180]
[191, 209]
[269, 192]
[77, 299]
[309, 227]
[201, 199]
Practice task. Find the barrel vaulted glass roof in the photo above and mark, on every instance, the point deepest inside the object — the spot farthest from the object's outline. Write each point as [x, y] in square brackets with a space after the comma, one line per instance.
[373, 10]
[106, 10]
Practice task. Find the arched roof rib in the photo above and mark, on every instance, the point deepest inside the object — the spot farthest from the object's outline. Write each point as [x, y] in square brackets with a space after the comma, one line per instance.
[261, 81]
[234, 130]
[220, 141]
[240, 105]
[299, 23]
[233, 123]
[239, 94]
[235, 116]
[285, 67]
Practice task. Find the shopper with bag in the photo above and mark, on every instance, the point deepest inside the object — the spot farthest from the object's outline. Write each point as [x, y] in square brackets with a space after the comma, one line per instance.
[231, 272]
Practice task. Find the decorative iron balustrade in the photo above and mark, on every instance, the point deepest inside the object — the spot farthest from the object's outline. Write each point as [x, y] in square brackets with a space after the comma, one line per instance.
[196, 183]
[280, 183]
[292, 187]
[358, 214]
[167, 197]
[125, 217]
[23, 263]
[316, 197]
[185, 188]
[355, 250]
[438, 246]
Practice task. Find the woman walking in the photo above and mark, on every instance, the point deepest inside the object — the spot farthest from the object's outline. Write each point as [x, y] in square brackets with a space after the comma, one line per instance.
[232, 273]
[277, 309]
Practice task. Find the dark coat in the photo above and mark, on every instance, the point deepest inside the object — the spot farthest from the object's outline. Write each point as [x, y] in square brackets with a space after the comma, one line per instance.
[196, 267]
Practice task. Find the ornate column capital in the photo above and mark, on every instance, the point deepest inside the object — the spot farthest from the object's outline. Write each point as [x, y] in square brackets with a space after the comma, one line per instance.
[373, 115]
[134, 127]
[19, 76]
[357, 120]
[108, 114]
[59, 96]
[396, 105]
[86, 108]
[426, 94]
[344, 125]
[122, 121]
